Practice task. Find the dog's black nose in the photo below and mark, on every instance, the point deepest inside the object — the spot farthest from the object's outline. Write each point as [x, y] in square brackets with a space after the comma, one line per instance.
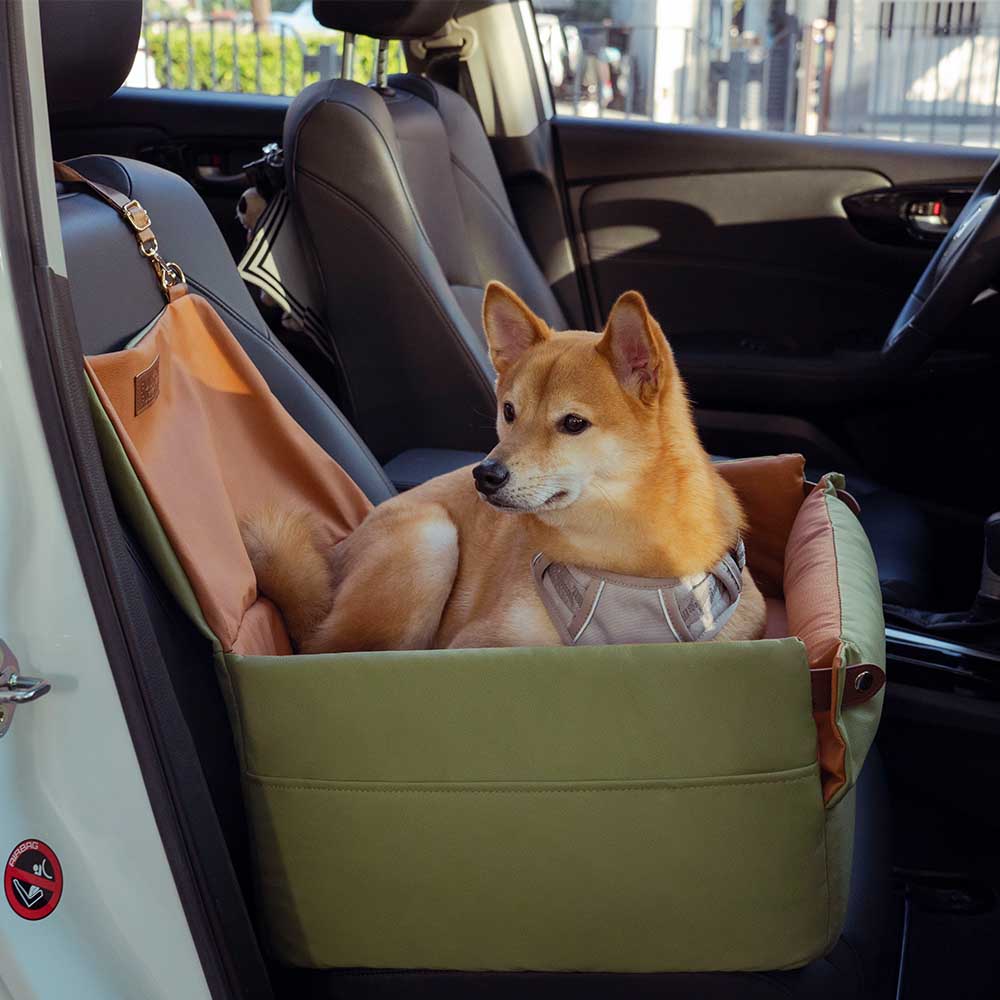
[490, 475]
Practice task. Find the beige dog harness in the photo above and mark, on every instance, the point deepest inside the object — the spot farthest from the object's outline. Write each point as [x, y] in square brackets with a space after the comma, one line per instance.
[589, 608]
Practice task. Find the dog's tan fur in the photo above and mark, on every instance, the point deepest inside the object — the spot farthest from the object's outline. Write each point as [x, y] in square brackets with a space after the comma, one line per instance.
[439, 566]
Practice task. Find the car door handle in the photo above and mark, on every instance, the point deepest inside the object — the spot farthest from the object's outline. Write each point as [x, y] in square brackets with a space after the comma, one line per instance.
[908, 215]
[15, 688]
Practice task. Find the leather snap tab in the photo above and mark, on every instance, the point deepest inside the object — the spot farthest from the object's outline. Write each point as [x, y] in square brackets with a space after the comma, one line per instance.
[864, 681]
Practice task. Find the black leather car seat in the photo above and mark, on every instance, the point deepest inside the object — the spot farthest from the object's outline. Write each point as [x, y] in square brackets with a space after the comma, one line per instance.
[114, 295]
[401, 198]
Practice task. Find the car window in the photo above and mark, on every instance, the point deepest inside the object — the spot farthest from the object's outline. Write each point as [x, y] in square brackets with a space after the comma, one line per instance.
[244, 46]
[909, 69]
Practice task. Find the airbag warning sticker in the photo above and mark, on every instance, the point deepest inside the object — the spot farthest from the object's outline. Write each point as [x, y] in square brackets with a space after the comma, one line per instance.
[32, 880]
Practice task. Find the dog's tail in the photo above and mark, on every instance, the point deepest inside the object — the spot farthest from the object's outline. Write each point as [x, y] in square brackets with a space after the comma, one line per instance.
[291, 568]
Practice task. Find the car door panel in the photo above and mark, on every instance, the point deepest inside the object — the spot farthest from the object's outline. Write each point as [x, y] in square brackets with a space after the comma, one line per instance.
[738, 253]
[774, 297]
[736, 234]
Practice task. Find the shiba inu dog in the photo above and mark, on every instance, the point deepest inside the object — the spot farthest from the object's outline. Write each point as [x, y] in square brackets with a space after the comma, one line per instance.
[598, 495]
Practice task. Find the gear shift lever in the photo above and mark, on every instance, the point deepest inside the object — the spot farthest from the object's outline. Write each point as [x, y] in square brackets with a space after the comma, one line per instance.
[981, 623]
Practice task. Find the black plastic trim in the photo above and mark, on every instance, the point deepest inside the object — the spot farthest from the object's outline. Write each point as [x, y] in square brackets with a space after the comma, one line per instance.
[595, 151]
[184, 114]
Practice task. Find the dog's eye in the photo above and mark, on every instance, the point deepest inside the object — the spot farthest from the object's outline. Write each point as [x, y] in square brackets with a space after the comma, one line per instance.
[573, 423]
[508, 412]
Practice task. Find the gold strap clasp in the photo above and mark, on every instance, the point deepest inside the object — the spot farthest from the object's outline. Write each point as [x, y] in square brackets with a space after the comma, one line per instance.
[167, 272]
[136, 215]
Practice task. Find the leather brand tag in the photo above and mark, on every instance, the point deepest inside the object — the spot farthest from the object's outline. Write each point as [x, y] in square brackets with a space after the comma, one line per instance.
[147, 386]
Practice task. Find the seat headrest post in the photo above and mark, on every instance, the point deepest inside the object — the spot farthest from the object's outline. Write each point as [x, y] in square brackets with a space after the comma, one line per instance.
[347, 57]
[382, 65]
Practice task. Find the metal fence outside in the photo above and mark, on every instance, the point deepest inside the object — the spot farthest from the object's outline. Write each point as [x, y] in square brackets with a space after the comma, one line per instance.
[233, 54]
[611, 69]
[908, 69]
[937, 67]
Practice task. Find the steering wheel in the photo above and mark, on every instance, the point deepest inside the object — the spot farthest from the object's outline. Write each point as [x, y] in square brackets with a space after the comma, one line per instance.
[965, 263]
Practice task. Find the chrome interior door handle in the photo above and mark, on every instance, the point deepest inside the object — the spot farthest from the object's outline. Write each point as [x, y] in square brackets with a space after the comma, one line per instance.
[15, 689]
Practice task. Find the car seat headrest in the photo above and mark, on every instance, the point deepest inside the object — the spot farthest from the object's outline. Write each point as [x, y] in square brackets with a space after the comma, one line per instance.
[89, 47]
[385, 18]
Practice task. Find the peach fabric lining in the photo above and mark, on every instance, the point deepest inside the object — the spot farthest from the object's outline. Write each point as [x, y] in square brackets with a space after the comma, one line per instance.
[262, 631]
[792, 553]
[771, 490]
[210, 445]
[812, 602]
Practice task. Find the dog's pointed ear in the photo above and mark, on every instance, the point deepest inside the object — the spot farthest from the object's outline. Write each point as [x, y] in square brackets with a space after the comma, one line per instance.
[634, 344]
[510, 326]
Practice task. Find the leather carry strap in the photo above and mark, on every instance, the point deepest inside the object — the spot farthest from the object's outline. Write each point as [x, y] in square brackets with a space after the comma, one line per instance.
[862, 683]
[167, 273]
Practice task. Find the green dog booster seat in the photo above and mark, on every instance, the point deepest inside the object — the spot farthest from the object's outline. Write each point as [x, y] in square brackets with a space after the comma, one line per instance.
[677, 807]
